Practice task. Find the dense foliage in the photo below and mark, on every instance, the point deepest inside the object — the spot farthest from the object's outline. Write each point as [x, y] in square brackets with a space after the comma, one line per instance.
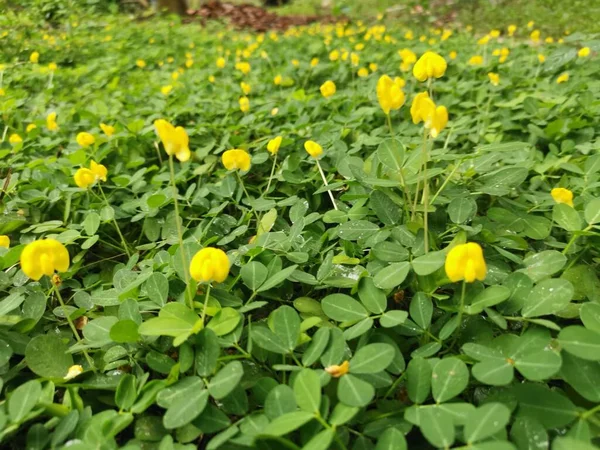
[349, 311]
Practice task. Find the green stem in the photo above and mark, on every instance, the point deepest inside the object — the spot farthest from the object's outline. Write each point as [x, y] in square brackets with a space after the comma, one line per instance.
[446, 181]
[72, 325]
[205, 306]
[326, 184]
[462, 303]
[184, 258]
[114, 221]
[258, 226]
[394, 385]
[405, 191]
[590, 412]
[573, 239]
[425, 192]
[271, 176]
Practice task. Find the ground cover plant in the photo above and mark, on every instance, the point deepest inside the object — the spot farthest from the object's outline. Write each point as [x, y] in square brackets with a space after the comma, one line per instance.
[345, 236]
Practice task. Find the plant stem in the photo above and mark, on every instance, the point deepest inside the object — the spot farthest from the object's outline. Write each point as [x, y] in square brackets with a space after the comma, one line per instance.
[326, 184]
[205, 306]
[72, 325]
[271, 176]
[184, 258]
[114, 221]
[573, 239]
[446, 181]
[425, 192]
[405, 191]
[462, 302]
[258, 226]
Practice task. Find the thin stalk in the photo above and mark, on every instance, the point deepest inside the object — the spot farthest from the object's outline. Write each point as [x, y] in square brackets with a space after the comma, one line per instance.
[184, 258]
[114, 221]
[326, 184]
[72, 325]
[425, 196]
[462, 302]
[446, 181]
[405, 191]
[258, 226]
[205, 306]
[271, 176]
[573, 239]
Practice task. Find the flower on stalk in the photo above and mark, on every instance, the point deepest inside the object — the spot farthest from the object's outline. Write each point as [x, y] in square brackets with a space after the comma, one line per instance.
[541, 58]
[562, 78]
[85, 139]
[166, 90]
[494, 78]
[245, 87]
[243, 67]
[328, 89]
[512, 29]
[34, 57]
[274, 144]
[140, 63]
[4, 241]
[174, 139]
[51, 122]
[44, 257]
[429, 65]
[84, 177]
[313, 149]
[244, 104]
[466, 262]
[583, 52]
[562, 195]
[423, 109]
[277, 80]
[535, 35]
[30, 127]
[337, 371]
[363, 72]
[476, 60]
[389, 94]
[209, 264]
[73, 372]
[221, 62]
[236, 159]
[108, 130]
[15, 139]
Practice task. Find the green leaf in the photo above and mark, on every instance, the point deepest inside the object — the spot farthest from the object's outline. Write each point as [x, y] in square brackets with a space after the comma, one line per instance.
[226, 380]
[582, 375]
[277, 279]
[316, 347]
[437, 426]
[91, 223]
[265, 338]
[280, 400]
[254, 274]
[392, 275]
[544, 264]
[421, 310]
[307, 390]
[357, 229]
[552, 409]
[449, 378]
[353, 391]
[528, 434]
[320, 441]
[372, 358]
[581, 342]
[225, 321]
[23, 399]
[486, 298]
[548, 297]
[371, 297]
[592, 211]
[185, 409]
[342, 414]
[391, 154]
[288, 422]
[157, 287]
[418, 379]
[493, 372]
[387, 211]
[428, 263]
[391, 439]
[486, 421]
[124, 331]
[286, 326]
[126, 392]
[162, 326]
[207, 352]
[391, 319]
[64, 428]
[538, 365]
[343, 308]
[566, 217]
[590, 316]
[47, 356]
[462, 209]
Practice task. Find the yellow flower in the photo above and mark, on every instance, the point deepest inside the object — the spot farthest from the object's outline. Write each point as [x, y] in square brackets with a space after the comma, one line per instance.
[44, 257]
[73, 372]
[274, 111]
[52, 67]
[535, 35]
[328, 89]
[334, 55]
[466, 262]
[211, 78]
[494, 33]
[236, 159]
[476, 60]
[409, 35]
[446, 34]
[504, 52]
[429, 65]
[549, 40]
[84, 178]
[541, 58]
[273, 145]
[2, 91]
[140, 63]
[34, 57]
[295, 62]
[452, 54]
[209, 264]
[363, 72]
[245, 88]
[562, 195]
[530, 24]
[175, 76]
[562, 78]
[337, 371]
[244, 104]
[277, 80]
[354, 59]
[30, 127]
[170, 59]
[166, 90]
[313, 149]
[99, 171]
[360, 46]
[221, 62]
[189, 62]
[484, 40]
[512, 29]
[243, 67]
[583, 52]
[4, 241]
[174, 139]
[494, 78]
[85, 139]
[423, 109]
[108, 130]
[389, 94]
[408, 56]
[314, 62]
[373, 67]
[15, 139]
[264, 55]
[51, 122]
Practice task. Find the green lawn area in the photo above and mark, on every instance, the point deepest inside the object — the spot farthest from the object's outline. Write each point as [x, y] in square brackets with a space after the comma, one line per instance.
[375, 234]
